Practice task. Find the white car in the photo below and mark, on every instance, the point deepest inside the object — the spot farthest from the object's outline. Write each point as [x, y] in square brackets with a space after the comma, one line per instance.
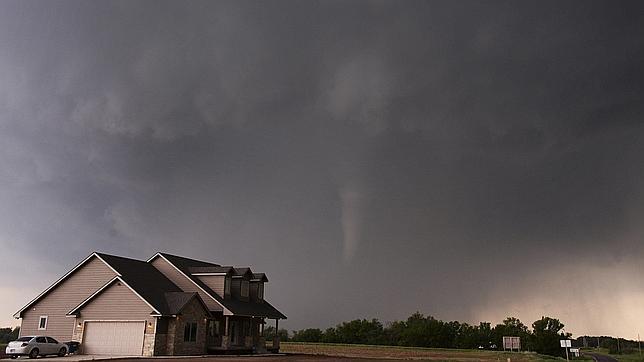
[34, 346]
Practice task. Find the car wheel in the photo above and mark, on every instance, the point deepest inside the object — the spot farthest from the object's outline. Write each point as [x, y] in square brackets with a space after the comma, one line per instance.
[14, 357]
[62, 352]
[34, 353]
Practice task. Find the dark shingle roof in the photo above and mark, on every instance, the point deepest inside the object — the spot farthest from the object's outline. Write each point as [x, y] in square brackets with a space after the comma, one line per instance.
[237, 307]
[210, 269]
[243, 271]
[184, 263]
[259, 276]
[177, 301]
[145, 279]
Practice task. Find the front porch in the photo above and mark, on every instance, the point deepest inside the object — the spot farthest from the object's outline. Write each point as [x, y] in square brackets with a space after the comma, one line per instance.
[237, 335]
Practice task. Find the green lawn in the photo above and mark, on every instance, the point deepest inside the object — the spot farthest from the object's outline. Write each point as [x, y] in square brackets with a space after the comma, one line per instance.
[395, 352]
[628, 357]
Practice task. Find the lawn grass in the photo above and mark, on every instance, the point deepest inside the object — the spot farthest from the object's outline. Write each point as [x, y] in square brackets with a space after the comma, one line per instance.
[627, 357]
[395, 352]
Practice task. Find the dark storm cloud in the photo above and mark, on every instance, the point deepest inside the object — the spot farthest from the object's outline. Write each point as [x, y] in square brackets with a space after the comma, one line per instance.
[419, 156]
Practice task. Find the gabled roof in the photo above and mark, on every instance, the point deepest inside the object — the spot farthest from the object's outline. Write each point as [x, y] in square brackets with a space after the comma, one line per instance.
[178, 300]
[144, 279]
[259, 277]
[18, 314]
[161, 294]
[183, 265]
[75, 310]
[234, 306]
[243, 273]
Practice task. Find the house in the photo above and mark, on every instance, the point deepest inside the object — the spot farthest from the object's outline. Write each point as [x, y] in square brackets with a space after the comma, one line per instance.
[167, 305]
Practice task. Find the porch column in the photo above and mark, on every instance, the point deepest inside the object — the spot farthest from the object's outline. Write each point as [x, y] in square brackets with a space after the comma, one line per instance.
[225, 339]
[276, 339]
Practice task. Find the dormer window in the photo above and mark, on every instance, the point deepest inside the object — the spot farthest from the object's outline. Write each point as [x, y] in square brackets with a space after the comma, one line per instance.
[244, 288]
[260, 291]
[227, 283]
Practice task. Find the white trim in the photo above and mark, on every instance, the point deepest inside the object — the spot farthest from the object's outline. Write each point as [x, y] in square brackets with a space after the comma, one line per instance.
[86, 300]
[208, 274]
[71, 312]
[192, 281]
[40, 320]
[108, 264]
[154, 256]
[18, 313]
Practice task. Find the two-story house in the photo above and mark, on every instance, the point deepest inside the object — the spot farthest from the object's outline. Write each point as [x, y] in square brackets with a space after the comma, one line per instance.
[167, 305]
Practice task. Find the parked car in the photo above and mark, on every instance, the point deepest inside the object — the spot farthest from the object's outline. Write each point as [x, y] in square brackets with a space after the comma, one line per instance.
[34, 346]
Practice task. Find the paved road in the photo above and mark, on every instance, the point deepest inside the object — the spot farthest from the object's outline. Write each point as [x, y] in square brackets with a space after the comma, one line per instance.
[601, 357]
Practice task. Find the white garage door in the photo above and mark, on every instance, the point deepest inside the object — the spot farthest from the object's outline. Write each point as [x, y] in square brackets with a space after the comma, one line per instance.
[113, 338]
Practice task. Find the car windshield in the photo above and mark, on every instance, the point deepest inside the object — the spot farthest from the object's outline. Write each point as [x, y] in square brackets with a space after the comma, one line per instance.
[24, 339]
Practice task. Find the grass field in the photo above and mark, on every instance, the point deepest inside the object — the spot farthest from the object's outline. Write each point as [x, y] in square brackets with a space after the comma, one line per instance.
[392, 352]
[628, 357]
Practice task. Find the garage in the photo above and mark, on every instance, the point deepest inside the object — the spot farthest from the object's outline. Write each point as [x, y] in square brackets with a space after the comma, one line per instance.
[122, 338]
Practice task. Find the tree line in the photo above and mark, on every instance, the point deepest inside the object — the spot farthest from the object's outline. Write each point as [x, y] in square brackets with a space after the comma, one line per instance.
[8, 334]
[426, 331]
[612, 344]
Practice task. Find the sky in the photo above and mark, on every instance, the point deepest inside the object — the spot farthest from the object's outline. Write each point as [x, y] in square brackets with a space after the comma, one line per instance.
[469, 160]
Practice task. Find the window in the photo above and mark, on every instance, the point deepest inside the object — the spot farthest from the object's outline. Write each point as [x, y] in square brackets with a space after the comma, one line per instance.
[227, 286]
[42, 323]
[190, 332]
[244, 288]
[41, 340]
[51, 340]
[260, 291]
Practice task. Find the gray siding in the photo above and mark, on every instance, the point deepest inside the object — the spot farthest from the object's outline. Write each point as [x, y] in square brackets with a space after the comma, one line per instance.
[215, 282]
[117, 302]
[62, 298]
[183, 282]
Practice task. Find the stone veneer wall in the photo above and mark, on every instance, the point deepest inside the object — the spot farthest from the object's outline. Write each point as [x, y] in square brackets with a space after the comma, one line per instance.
[193, 312]
[148, 344]
[78, 334]
[160, 344]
